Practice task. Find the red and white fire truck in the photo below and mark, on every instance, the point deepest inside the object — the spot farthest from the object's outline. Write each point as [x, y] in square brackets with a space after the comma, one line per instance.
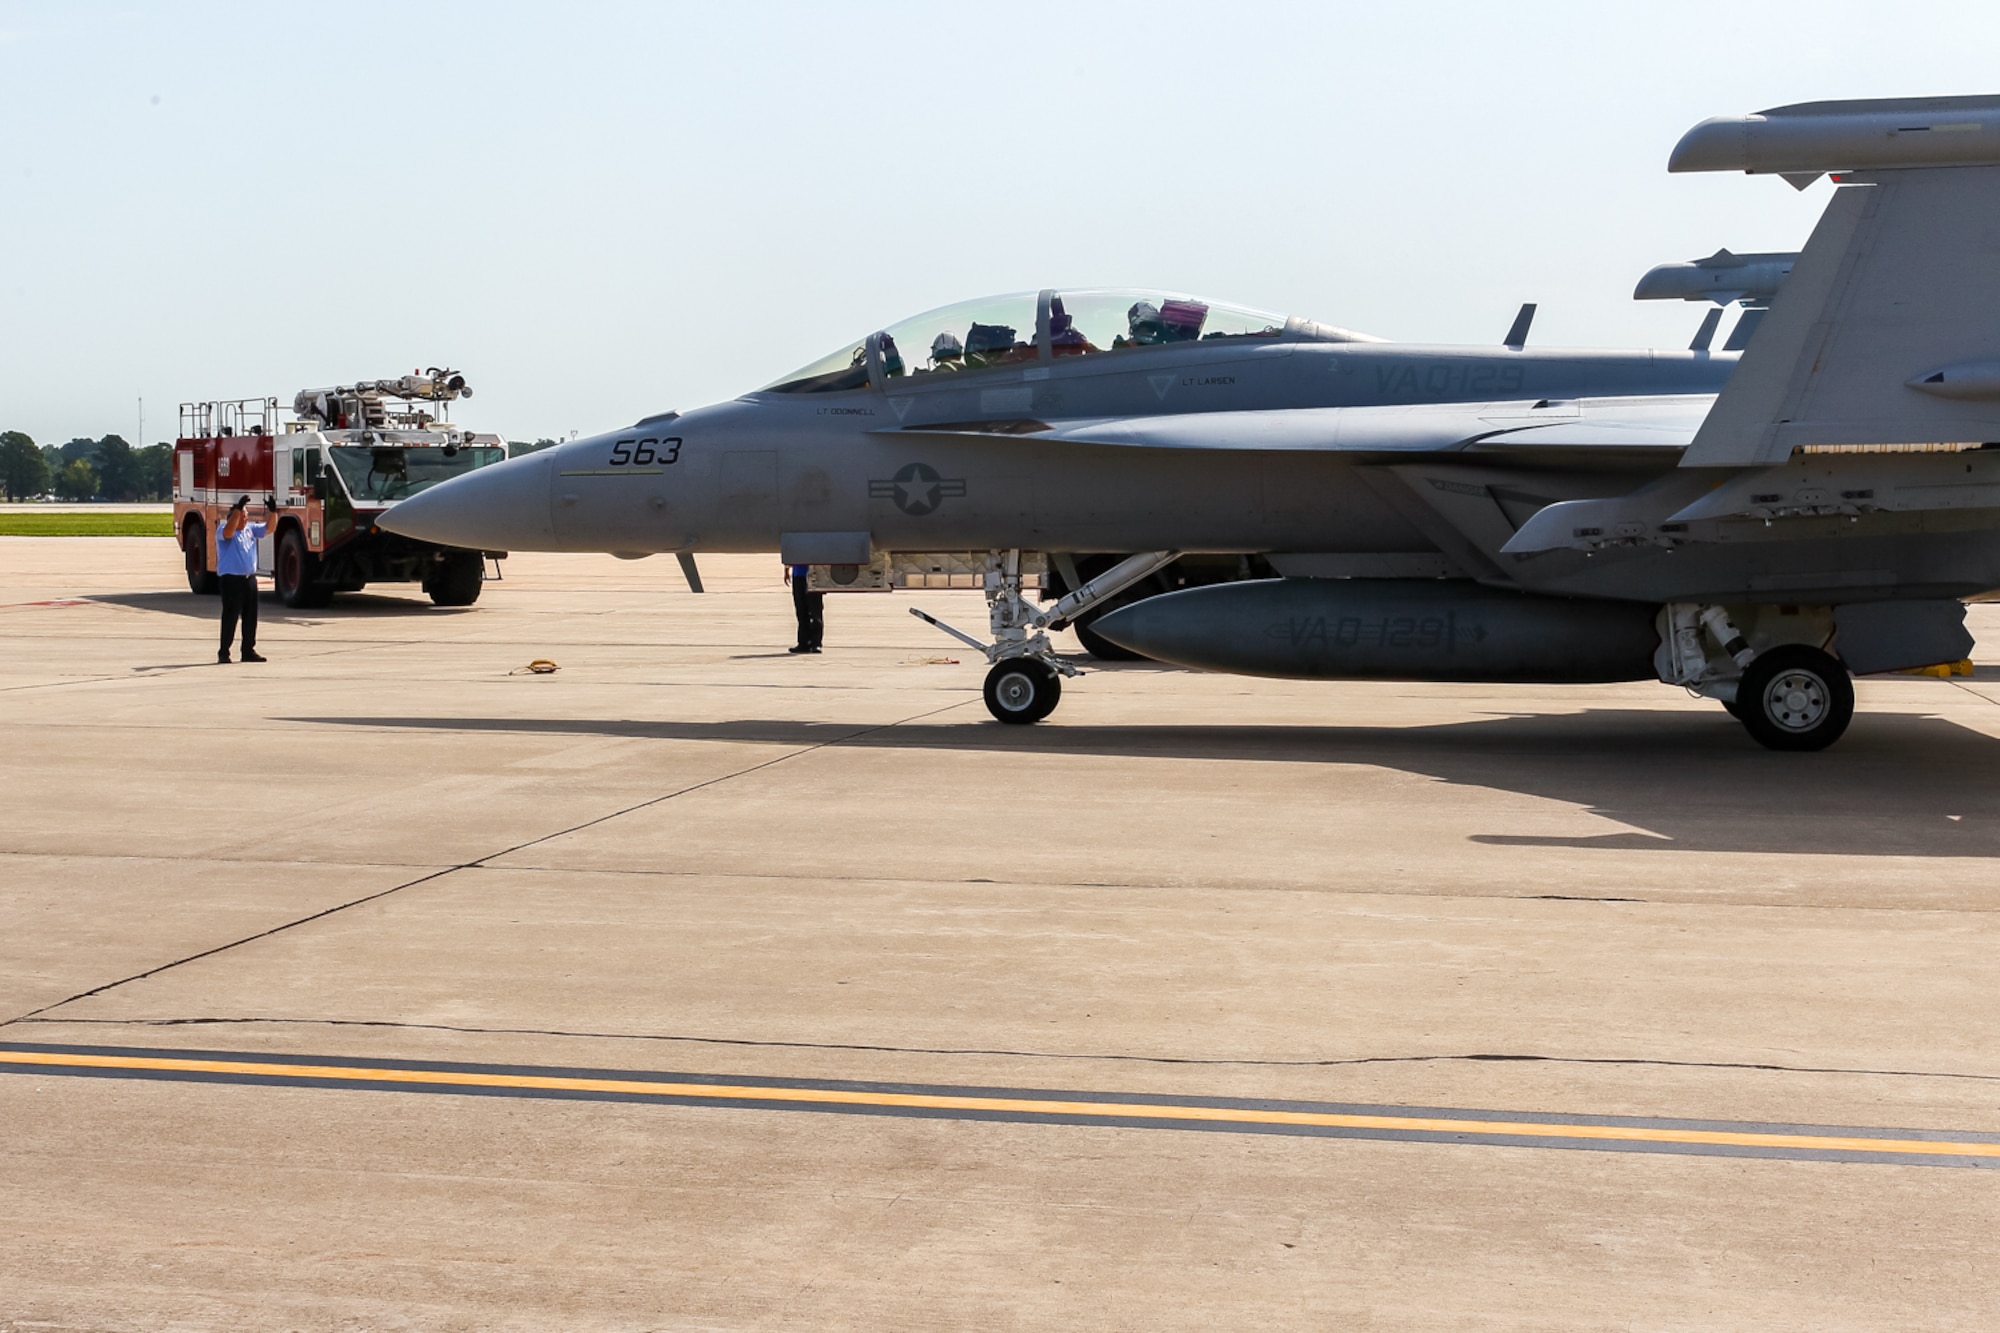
[324, 479]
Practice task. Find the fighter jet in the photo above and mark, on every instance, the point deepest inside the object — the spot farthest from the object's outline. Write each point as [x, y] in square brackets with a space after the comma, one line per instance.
[1231, 490]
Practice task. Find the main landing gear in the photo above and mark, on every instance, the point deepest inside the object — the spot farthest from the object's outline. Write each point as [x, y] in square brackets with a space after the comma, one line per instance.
[1024, 683]
[1791, 696]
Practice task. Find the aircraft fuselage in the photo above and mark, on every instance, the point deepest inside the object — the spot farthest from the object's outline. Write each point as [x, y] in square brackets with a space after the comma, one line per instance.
[953, 463]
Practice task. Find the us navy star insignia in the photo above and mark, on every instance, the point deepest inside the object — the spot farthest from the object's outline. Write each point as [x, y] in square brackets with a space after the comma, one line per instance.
[917, 489]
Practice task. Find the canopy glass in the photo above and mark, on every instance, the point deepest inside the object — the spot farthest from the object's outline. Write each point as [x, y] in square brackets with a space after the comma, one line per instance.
[1030, 326]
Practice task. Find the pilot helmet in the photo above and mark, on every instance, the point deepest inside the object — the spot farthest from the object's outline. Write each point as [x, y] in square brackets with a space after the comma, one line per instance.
[1145, 322]
[946, 347]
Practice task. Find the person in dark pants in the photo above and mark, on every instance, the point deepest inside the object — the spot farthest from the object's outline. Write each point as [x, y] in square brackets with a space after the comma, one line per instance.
[809, 607]
[236, 570]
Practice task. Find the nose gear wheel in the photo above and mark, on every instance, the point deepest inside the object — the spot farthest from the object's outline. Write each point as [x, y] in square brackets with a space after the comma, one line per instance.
[1021, 690]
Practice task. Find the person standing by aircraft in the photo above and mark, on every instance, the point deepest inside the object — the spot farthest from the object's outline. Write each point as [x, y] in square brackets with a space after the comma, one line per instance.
[809, 607]
[236, 567]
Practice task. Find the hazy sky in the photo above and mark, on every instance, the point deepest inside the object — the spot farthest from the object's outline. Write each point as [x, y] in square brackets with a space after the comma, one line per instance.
[601, 210]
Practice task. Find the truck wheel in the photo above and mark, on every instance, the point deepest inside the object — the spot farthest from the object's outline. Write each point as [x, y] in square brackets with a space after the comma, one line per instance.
[194, 555]
[1021, 690]
[458, 580]
[1795, 698]
[296, 573]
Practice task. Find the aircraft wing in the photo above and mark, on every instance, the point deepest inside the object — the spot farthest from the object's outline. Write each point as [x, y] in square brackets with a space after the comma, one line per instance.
[1668, 422]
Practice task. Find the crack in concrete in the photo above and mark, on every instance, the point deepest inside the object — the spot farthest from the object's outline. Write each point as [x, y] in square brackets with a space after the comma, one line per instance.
[1137, 885]
[1474, 1057]
[474, 864]
[233, 944]
[1965, 687]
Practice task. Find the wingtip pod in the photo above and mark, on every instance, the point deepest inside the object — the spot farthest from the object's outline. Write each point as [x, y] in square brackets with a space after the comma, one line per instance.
[1720, 143]
[1801, 141]
[1721, 278]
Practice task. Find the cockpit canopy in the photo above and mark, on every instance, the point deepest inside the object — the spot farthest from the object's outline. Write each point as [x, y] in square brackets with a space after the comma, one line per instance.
[1038, 326]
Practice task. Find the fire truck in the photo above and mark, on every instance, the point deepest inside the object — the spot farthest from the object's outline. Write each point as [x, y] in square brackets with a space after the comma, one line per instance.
[324, 480]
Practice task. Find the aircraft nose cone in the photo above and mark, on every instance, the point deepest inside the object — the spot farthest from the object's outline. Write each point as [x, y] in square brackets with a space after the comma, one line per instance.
[500, 508]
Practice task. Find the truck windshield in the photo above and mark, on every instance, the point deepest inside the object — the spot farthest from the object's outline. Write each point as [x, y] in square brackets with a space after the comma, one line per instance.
[386, 472]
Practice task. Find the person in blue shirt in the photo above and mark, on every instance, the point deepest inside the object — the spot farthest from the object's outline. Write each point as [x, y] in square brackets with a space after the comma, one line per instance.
[809, 607]
[236, 567]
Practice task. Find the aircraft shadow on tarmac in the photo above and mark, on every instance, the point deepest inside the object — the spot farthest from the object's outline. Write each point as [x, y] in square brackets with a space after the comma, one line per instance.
[1899, 784]
[271, 611]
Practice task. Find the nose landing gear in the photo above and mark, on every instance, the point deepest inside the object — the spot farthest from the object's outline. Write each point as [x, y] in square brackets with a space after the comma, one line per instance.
[1025, 682]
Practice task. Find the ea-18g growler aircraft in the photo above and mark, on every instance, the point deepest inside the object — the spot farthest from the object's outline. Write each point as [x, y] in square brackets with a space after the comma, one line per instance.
[1236, 491]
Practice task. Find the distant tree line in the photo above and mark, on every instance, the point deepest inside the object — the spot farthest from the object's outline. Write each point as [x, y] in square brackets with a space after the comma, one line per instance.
[85, 469]
[110, 469]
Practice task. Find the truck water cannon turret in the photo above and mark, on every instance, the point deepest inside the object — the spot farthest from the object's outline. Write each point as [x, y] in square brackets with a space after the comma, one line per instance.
[361, 404]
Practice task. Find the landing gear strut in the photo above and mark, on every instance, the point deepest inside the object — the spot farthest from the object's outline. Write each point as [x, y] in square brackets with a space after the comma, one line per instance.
[1025, 681]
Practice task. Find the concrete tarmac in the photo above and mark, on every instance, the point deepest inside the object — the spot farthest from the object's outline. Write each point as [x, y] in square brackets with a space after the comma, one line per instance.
[700, 986]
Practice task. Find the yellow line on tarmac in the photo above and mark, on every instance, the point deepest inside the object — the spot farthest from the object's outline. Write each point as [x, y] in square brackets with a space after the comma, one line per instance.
[1014, 1105]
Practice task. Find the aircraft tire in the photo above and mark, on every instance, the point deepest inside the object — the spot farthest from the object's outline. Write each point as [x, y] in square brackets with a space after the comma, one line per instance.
[1021, 690]
[202, 581]
[1796, 698]
[294, 573]
[458, 580]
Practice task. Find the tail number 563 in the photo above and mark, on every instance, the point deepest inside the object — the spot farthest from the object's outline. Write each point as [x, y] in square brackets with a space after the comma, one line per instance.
[641, 452]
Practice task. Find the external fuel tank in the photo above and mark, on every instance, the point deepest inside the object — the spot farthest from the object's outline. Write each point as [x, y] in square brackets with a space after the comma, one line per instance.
[1389, 629]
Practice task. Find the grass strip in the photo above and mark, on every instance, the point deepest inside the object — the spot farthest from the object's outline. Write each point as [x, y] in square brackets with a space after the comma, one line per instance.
[85, 525]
